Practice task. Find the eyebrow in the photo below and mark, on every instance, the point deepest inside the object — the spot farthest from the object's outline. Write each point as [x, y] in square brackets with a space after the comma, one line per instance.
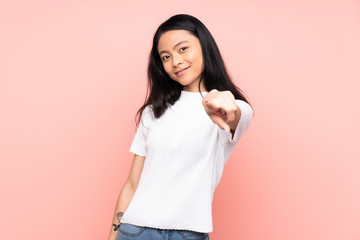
[174, 46]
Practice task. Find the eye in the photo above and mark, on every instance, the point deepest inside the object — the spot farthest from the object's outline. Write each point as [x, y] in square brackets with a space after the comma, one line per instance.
[183, 49]
[164, 58]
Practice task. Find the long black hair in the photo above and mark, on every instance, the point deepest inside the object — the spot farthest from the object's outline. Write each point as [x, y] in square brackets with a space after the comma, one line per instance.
[162, 90]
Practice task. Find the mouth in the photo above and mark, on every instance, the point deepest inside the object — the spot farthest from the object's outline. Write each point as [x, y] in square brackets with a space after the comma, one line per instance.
[182, 71]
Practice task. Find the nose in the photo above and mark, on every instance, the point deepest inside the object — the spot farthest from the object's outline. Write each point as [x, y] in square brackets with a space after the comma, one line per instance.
[177, 60]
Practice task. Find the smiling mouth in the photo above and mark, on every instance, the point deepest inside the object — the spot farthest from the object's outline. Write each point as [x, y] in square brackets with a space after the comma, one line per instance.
[181, 72]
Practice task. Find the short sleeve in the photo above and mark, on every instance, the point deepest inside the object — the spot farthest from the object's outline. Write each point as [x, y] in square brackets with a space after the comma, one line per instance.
[139, 143]
[243, 125]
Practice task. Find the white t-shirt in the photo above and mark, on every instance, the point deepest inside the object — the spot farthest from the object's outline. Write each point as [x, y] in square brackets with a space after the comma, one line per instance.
[185, 156]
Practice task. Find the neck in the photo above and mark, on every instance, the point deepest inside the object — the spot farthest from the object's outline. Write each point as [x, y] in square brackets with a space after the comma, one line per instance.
[195, 88]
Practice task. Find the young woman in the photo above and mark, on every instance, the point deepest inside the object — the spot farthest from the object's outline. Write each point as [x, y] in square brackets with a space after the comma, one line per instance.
[191, 120]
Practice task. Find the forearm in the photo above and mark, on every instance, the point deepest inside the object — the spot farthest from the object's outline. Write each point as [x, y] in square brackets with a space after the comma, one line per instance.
[123, 202]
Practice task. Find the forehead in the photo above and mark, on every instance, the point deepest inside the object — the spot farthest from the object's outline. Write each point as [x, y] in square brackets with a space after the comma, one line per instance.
[170, 38]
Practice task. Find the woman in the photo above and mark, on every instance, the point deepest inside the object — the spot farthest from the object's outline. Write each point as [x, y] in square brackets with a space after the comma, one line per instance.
[189, 124]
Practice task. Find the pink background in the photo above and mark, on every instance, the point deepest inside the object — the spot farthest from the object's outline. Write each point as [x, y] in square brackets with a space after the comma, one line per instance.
[73, 74]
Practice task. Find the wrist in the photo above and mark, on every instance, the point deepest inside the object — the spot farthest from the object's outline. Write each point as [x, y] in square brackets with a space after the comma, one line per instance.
[116, 222]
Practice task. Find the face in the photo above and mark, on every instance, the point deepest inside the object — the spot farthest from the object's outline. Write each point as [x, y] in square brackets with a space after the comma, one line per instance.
[182, 58]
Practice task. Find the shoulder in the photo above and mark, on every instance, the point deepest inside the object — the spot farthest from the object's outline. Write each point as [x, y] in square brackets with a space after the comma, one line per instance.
[244, 107]
[147, 115]
[148, 111]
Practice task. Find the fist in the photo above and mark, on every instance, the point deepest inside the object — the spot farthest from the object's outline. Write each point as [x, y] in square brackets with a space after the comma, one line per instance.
[222, 109]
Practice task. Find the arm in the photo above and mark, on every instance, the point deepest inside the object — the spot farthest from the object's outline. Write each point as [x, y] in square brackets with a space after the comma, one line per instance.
[127, 192]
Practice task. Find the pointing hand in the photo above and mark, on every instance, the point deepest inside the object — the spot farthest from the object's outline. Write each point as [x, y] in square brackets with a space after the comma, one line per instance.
[222, 109]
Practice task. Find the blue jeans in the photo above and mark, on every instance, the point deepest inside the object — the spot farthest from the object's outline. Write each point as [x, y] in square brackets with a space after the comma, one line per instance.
[132, 232]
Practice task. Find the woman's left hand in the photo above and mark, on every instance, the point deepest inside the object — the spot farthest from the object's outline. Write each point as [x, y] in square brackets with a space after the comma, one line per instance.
[222, 109]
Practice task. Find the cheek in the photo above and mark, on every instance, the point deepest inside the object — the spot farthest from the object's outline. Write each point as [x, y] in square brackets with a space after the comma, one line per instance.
[167, 68]
[191, 56]
[200, 63]
[196, 57]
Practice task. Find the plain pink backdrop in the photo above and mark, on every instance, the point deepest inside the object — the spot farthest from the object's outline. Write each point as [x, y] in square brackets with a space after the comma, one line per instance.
[73, 74]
